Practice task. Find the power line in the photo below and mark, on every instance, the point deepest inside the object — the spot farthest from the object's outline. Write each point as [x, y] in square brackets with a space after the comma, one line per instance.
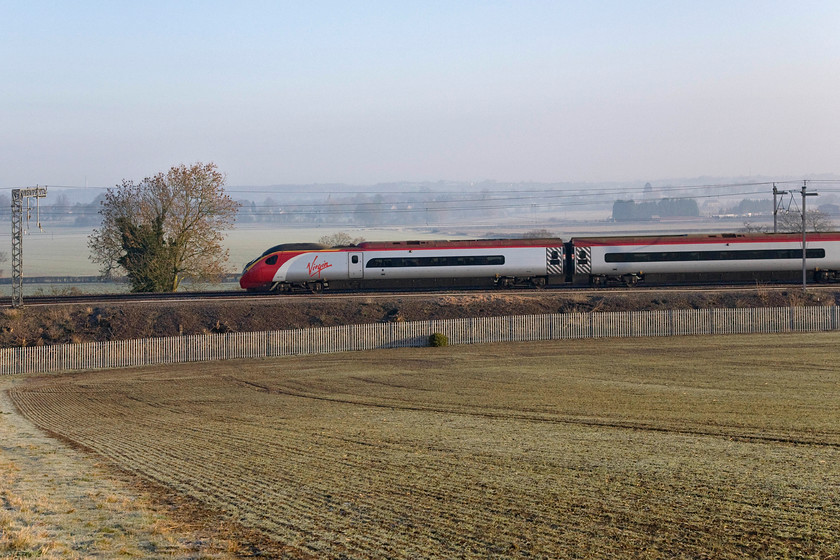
[458, 201]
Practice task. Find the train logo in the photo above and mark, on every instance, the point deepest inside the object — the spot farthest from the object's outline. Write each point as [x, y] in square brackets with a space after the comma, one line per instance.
[314, 268]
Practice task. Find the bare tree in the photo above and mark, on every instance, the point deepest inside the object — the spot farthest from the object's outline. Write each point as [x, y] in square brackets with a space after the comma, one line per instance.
[814, 221]
[165, 228]
[340, 239]
[750, 227]
[537, 234]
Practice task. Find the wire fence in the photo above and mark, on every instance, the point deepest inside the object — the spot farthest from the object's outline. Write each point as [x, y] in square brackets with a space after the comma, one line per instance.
[197, 348]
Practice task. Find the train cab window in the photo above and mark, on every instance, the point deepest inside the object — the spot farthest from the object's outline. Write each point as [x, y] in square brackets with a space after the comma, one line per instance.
[354, 259]
[271, 260]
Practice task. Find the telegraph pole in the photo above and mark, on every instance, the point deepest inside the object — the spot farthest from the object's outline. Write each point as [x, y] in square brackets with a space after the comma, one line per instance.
[18, 195]
[776, 192]
[804, 258]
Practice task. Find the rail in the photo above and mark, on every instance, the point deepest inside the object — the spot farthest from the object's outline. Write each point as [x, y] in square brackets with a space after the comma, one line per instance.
[196, 348]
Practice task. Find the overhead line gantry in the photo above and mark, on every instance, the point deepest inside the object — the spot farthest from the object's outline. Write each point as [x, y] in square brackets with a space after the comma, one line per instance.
[18, 196]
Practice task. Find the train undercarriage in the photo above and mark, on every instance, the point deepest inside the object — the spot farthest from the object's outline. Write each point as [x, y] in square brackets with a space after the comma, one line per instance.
[624, 279]
[537, 282]
[501, 282]
[517, 282]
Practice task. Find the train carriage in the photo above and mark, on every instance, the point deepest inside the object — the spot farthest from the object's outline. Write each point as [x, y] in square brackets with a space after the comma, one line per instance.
[505, 262]
[629, 259]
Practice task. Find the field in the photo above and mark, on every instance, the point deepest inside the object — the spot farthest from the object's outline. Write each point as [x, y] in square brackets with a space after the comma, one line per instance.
[59, 503]
[713, 447]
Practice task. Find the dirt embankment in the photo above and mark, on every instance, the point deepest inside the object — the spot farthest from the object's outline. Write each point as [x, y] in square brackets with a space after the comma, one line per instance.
[85, 323]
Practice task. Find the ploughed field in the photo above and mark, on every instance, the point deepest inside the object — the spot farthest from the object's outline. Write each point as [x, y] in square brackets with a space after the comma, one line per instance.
[713, 447]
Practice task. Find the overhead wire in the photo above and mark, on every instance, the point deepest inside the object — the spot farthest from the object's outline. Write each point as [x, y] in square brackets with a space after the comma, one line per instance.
[458, 201]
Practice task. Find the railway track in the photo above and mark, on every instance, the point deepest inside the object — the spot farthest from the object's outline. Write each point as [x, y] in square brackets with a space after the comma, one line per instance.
[234, 295]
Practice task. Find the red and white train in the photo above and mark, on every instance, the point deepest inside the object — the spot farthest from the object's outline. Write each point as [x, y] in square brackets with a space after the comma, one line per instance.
[539, 262]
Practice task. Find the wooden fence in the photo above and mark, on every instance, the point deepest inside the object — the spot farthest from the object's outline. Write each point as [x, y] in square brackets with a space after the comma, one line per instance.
[176, 349]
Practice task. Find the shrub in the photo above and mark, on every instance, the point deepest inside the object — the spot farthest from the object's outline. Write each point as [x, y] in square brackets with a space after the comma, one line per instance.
[438, 339]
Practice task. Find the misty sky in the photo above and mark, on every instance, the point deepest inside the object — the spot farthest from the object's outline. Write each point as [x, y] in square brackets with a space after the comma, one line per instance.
[368, 92]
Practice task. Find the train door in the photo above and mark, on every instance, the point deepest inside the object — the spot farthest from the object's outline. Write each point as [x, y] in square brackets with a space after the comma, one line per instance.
[554, 261]
[356, 264]
[583, 260]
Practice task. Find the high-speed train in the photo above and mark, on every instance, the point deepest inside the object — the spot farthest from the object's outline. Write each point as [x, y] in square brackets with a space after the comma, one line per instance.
[540, 262]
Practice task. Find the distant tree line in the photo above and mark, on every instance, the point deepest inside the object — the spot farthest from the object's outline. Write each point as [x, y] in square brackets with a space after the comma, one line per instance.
[752, 206]
[58, 210]
[369, 210]
[632, 211]
[374, 209]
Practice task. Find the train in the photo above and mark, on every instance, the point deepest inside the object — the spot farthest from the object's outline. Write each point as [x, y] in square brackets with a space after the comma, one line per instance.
[514, 263]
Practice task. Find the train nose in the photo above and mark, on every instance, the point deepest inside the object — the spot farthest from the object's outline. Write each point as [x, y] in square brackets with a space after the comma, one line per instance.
[248, 281]
[244, 281]
[256, 277]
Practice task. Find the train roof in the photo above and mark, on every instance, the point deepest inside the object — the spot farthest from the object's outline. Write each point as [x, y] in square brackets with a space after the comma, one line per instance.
[462, 243]
[295, 247]
[704, 238]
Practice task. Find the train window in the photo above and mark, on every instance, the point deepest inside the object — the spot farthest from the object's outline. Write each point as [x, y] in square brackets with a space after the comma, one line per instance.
[730, 255]
[354, 259]
[413, 262]
[271, 260]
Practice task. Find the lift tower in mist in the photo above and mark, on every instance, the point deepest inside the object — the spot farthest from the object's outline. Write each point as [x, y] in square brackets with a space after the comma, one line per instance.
[18, 196]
